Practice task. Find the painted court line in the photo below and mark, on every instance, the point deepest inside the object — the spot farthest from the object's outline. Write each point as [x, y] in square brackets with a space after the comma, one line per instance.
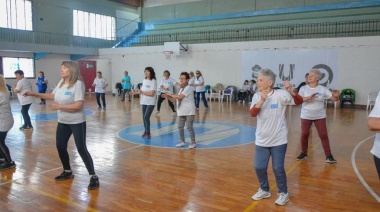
[357, 171]
[295, 165]
[30, 188]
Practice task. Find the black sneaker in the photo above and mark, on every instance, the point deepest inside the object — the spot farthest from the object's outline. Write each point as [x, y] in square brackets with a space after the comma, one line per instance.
[7, 165]
[302, 156]
[26, 127]
[330, 159]
[94, 183]
[64, 175]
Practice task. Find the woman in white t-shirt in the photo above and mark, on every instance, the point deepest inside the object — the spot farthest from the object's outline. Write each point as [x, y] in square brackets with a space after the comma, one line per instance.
[100, 89]
[147, 93]
[269, 106]
[185, 109]
[200, 89]
[6, 123]
[68, 99]
[313, 111]
[166, 86]
[374, 125]
[191, 83]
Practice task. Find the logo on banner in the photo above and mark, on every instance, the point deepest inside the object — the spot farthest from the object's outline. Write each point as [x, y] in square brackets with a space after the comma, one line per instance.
[290, 75]
[207, 135]
[255, 70]
[327, 74]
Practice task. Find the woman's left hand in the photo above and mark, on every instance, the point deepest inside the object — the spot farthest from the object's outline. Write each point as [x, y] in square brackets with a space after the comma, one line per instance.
[54, 106]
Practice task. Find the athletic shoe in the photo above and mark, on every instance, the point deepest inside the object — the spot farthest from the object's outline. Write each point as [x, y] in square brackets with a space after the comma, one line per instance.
[302, 156]
[180, 144]
[156, 112]
[27, 127]
[143, 135]
[282, 199]
[41, 103]
[104, 108]
[330, 159]
[148, 136]
[193, 146]
[261, 194]
[99, 108]
[64, 175]
[174, 113]
[7, 165]
[94, 183]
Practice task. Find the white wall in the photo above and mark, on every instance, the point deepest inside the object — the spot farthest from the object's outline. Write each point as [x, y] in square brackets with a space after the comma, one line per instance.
[359, 62]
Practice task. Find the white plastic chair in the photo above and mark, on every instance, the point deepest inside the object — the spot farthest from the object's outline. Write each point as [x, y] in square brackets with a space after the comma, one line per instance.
[228, 95]
[371, 99]
[214, 94]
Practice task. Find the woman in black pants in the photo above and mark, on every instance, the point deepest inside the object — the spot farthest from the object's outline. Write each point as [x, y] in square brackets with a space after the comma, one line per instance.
[6, 123]
[68, 99]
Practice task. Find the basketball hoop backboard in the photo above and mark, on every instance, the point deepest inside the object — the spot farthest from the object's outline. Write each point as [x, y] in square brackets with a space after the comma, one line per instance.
[172, 47]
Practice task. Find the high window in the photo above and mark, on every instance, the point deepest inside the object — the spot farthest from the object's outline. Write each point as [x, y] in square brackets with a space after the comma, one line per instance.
[12, 64]
[93, 25]
[16, 14]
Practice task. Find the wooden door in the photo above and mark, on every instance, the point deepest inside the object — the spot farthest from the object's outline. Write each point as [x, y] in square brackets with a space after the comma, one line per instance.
[88, 72]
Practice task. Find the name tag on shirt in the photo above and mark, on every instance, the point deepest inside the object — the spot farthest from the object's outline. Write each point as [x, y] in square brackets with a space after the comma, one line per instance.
[68, 93]
[273, 106]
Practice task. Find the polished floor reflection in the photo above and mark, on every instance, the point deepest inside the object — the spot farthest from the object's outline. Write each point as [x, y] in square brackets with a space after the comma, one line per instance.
[139, 177]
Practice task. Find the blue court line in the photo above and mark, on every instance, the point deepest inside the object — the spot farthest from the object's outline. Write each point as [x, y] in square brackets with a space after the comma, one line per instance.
[53, 115]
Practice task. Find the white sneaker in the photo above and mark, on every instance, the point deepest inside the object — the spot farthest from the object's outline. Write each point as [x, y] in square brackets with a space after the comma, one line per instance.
[192, 146]
[243, 101]
[180, 144]
[156, 112]
[261, 194]
[174, 113]
[282, 199]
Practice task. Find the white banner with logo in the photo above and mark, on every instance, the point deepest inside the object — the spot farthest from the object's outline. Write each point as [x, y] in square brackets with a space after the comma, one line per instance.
[292, 65]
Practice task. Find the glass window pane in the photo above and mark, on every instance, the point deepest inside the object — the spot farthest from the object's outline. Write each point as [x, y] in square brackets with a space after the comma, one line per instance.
[10, 65]
[28, 15]
[20, 14]
[75, 20]
[93, 25]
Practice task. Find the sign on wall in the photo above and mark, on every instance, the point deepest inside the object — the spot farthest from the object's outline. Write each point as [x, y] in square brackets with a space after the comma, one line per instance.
[292, 65]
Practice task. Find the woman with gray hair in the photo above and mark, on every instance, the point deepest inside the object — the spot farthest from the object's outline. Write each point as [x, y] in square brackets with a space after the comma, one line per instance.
[269, 106]
[313, 111]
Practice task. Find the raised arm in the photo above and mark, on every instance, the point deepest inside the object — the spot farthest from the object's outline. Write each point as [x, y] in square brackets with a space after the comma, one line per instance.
[48, 96]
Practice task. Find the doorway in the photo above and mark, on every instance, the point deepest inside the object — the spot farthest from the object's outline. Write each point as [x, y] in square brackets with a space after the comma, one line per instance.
[88, 71]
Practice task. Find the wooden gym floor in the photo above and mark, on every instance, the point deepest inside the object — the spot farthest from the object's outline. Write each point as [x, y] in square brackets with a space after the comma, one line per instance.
[143, 178]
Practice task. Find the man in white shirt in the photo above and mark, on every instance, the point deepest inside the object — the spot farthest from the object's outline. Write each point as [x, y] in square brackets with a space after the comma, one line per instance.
[22, 86]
